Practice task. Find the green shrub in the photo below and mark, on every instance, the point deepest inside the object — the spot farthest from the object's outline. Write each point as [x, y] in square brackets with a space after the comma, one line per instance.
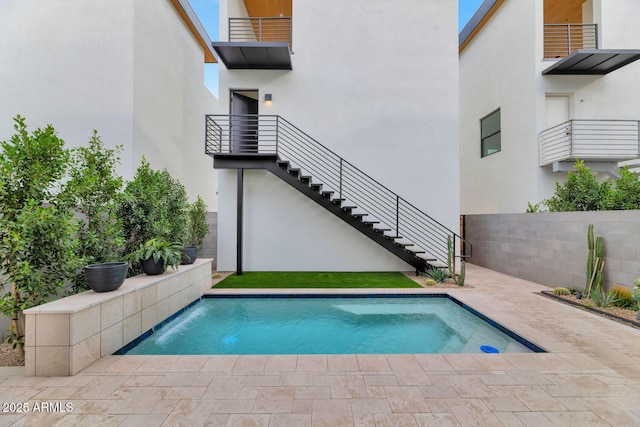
[37, 239]
[581, 192]
[196, 223]
[625, 193]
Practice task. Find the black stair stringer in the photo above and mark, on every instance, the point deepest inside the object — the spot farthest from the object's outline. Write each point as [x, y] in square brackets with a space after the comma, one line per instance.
[409, 257]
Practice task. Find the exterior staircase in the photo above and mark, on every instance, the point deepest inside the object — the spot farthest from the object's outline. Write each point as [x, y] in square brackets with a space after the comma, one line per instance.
[272, 143]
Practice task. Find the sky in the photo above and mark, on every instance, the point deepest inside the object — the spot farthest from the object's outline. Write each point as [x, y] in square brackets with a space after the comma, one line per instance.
[207, 11]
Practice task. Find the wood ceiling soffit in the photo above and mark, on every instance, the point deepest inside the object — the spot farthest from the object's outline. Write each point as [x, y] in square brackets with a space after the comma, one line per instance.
[263, 8]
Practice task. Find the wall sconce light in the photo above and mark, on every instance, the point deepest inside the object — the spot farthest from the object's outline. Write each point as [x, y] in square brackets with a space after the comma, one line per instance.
[268, 98]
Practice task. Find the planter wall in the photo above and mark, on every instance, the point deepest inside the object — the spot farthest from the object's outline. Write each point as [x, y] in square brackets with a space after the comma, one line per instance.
[67, 335]
[551, 248]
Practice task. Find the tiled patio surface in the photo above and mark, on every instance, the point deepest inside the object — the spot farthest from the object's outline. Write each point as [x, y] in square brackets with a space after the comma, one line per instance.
[590, 377]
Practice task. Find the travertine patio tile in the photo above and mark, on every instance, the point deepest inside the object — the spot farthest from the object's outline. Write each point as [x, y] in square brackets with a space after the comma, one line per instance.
[313, 393]
[617, 411]
[504, 404]
[575, 419]
[473, 386]
[137, 420]
[403, 363]
[54, 393]
[312, 363]
[413, 378]
[224, 387]
[433, 362]
[373, 362]
[172, 379]
[296, 379]
[190, 413]
[250, 364]
[536, 399]
[281, 363]
[370, 406]
[342, 362]
[233, 406]
[395, 420]
[289, 420]
[530, 377]
[349, 387]
[464, 362]
[509, 419]
[380, 380]
[406, 399]
[219, 364]
[217, 420]
[472, 412]
[302, 406]
[273, 406]
[143, 380]
[363, 420]
[101, 387]
[183, 393]
[441, 419]
[533, 419]
[331, 406]
[262, 380]
[126, 364]
[189, 364]
[157, 364]
[329, 419]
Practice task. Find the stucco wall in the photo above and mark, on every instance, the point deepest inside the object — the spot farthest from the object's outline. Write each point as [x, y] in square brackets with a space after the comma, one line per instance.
[551, 248]
[378, 85]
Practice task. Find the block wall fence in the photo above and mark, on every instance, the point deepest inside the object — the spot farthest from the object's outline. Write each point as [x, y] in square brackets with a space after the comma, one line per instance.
[551, 248]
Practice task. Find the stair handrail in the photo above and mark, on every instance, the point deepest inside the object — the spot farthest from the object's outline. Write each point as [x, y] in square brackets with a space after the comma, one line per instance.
[277, 136]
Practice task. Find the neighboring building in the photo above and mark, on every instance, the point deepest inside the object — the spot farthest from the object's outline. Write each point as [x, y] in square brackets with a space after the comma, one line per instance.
[132, 70]
[373, 82]
[542, 83]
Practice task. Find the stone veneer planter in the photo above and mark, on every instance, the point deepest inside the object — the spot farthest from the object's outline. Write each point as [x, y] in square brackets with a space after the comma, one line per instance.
[65, 336]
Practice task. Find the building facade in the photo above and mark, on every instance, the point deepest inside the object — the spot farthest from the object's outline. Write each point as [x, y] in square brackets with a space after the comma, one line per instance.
[376, 85]
[543, 83]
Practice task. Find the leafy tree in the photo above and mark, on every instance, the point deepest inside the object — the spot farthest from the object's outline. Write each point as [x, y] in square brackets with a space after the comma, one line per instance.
[94, 190]
[581, 192]
[37, 246]
[626, 192]
[197, 223]
[154, 206]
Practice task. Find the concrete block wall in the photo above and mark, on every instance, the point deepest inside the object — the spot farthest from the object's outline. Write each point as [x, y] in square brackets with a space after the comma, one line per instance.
[551, 248]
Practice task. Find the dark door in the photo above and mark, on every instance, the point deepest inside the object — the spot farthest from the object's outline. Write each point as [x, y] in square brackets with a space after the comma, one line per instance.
[244, 121]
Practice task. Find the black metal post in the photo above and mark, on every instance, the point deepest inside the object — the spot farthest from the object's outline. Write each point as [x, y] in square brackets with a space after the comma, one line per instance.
[239, 201]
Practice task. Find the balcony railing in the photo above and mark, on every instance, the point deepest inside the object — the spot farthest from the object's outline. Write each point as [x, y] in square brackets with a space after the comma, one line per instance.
[598, 140]
[260, 30]
[561, 40]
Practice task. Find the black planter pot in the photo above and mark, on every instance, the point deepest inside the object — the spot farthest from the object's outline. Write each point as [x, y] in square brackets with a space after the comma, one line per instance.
[106, 277]
[152, 268]
[189, 255]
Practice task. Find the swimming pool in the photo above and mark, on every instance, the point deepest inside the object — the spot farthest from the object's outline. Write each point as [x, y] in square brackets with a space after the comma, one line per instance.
[420, 324]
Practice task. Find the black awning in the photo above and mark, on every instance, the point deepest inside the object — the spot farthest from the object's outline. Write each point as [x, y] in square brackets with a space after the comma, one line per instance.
[593, 62]
[254, 56]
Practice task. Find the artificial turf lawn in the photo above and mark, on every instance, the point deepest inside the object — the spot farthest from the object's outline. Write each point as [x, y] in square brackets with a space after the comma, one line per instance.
[277, 279]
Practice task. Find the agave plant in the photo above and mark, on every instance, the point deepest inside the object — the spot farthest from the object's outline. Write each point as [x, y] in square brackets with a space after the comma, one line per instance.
[438, 274]
[158, 249]
[603, 299]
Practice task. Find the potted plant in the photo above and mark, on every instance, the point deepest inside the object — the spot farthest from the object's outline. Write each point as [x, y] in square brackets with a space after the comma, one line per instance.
[106, 276]
[196, 229]
[156, 254]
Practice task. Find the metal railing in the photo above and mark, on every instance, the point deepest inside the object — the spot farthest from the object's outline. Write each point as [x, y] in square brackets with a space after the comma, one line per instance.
[268, 29]
[266, 134]
[607, 140]
[561, 40]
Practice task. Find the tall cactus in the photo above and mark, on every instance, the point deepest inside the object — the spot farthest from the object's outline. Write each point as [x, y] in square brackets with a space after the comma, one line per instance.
[591, 255]
[597, 281]
[461, 276]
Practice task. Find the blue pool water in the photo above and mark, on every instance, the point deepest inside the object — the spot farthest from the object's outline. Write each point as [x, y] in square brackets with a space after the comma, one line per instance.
[380, 325]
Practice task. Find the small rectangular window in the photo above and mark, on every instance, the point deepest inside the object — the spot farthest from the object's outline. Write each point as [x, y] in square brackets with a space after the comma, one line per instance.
[490, 134]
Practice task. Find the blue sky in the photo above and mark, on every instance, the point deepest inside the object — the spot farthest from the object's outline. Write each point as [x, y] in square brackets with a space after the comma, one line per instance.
[207, 11]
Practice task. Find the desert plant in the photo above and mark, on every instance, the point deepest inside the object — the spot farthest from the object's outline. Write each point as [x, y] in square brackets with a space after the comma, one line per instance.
[37, 239]
[430, 282]
[461, 276]
[595, 262]
[196, 223]
[623, 296]
[158, 249]
[561, 291]
[636, 291]
[602, 299]
[450, 256]
[438, 274]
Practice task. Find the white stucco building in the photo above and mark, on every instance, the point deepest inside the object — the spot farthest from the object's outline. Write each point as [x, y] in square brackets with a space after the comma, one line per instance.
[374, 83]
[539, 87]
[132, 70]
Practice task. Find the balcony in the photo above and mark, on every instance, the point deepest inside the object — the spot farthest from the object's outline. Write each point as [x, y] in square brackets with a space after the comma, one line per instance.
[576, 47]
[610, 141]
[262, 43]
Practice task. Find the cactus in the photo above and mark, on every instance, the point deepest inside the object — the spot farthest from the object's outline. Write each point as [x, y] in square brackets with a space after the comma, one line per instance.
[461, 276]
[597, 280]
[561, 291]
[430, 282]
[591, 254]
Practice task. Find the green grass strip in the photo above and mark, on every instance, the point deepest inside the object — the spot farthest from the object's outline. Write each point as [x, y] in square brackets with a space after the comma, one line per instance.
[288, 280]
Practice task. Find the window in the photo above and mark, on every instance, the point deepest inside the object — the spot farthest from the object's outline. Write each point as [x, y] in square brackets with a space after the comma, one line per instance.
[490, 134]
